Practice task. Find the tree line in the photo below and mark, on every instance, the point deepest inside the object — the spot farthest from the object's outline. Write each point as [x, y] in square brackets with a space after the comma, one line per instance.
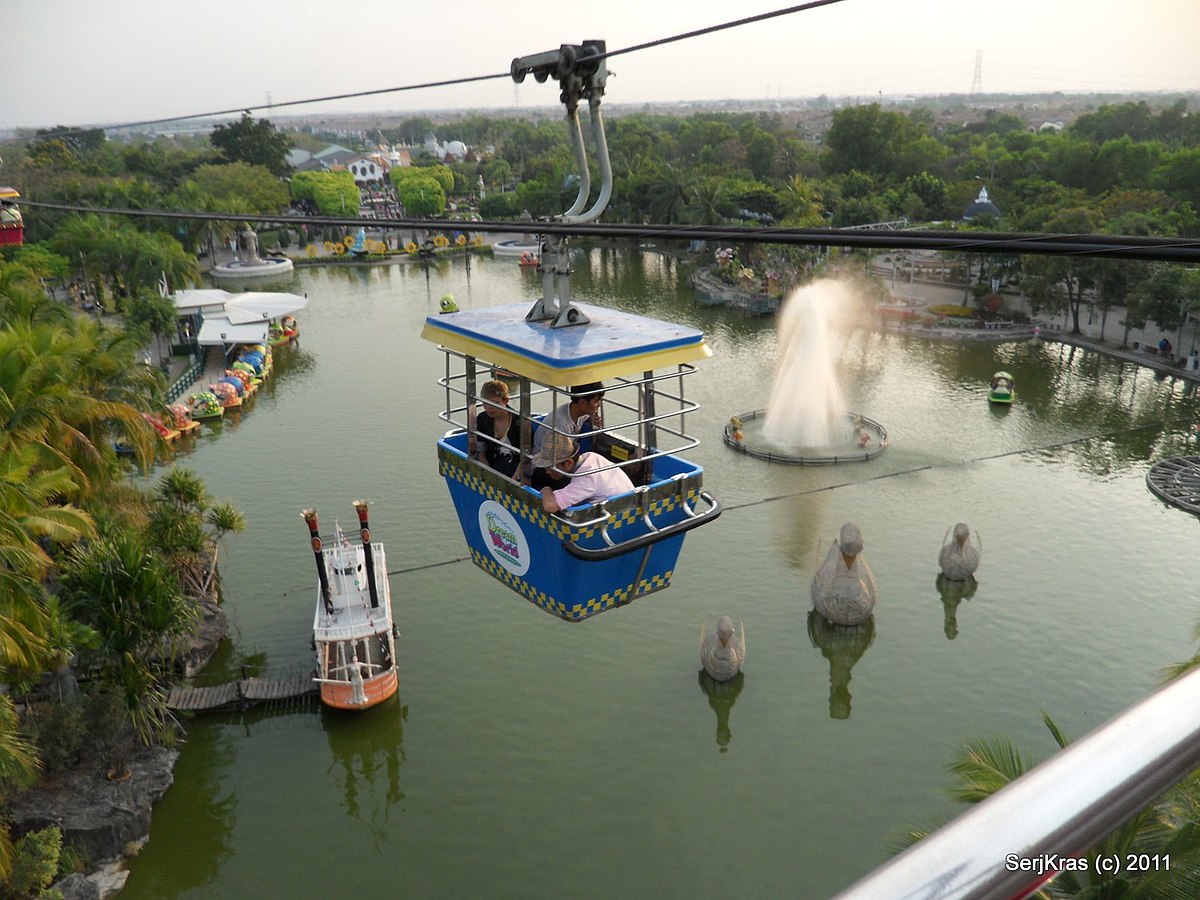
[1121, 169]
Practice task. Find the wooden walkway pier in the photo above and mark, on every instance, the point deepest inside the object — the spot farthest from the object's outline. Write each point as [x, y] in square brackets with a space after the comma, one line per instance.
[240, 694]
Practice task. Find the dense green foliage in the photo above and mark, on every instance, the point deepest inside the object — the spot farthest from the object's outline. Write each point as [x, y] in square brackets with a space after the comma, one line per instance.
[254, 186]
[256, 142]
[422, 190]
[334, 193]
[70, 386]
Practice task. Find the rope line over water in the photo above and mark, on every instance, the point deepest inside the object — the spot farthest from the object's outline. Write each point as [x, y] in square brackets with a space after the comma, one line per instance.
[843, 484]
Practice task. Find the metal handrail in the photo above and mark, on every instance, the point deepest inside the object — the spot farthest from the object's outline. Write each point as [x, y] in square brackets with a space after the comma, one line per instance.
[189, 376]
[1064, 806]
[456, 384]
[694, 520]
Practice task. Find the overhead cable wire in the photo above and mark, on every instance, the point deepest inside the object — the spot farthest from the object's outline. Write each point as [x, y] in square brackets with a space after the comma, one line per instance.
[437, 84]
[274, 105]
[1160, 249]
[737, 23]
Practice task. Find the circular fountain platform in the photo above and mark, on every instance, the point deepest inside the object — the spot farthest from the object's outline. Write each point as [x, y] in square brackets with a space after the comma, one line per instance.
[753, 443]
[1177, 481]
[269, 266]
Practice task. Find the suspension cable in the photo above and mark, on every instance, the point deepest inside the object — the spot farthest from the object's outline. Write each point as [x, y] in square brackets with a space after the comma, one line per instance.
[1160, 249]
[749, 20]
[433, 84]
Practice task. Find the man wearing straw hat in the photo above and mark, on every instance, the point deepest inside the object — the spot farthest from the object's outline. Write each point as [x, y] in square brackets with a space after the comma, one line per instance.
[580, 413]
[589, 480]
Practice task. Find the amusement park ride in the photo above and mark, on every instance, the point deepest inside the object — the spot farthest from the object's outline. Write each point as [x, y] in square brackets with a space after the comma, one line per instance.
[596, 556]
[12, 227]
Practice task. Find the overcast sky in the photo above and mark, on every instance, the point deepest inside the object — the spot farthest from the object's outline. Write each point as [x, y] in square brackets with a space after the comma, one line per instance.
[76, 62]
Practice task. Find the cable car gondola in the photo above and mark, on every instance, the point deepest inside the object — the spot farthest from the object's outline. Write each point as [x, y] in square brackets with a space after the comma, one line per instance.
[589, 558]
[12, 226]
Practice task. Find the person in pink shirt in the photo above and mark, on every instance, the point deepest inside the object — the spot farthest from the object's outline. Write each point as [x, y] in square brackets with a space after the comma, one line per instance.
[587, 484]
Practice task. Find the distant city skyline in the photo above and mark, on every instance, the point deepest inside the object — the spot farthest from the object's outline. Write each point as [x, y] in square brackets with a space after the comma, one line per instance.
[127, 60]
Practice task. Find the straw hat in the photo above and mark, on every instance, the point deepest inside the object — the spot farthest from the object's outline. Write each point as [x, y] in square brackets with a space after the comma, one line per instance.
[556, 449]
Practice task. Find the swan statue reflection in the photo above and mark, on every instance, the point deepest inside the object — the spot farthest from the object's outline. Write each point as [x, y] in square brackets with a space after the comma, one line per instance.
[843, 646]
[954, 592]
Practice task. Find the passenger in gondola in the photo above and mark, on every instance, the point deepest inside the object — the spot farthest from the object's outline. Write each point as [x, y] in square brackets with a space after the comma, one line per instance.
[499, 422]
[577, 416]
[588, 484]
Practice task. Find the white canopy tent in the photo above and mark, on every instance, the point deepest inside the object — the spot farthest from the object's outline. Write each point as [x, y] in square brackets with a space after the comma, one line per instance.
[220, 330]
[263, 305]
[187, 302]
[235, 318]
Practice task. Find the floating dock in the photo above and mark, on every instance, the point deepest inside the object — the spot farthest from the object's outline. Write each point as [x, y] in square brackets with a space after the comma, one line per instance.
[240, 694]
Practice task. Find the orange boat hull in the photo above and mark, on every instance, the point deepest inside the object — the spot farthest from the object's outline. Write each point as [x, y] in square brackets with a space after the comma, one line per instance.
[375, 690]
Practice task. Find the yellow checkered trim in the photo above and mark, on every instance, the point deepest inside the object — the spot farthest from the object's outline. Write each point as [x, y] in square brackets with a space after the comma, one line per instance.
[555, 607]
[488, 484]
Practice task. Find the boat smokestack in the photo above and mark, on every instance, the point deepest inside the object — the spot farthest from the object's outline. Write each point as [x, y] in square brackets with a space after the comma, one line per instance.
[364, 532]
[310, 518]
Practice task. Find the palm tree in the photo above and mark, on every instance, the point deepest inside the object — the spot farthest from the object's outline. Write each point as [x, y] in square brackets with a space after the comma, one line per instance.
[69, 386]
[18, 766]
[29, 512]
[223, 519]
[669, 193]
[123, 590]
[707, 195]
[1168, 826]
[46, 400]
[177, 523]
[800, 203]
[22, 298]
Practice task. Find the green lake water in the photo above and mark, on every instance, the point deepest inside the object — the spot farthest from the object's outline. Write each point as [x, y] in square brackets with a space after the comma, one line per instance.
[529, 757]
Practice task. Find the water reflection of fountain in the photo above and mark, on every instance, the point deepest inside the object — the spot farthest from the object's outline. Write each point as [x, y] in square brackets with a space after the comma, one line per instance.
[721, 697]
[843, 646]
[806, 421]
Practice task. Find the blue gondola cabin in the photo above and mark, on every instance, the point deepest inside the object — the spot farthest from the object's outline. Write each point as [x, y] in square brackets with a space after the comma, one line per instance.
[596, 556]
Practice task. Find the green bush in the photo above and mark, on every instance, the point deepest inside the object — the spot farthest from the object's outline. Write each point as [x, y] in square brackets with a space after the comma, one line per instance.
[500, 206]
[422, 195]
[439, 173]
[34, 864]
[58, 730]
[334, 193]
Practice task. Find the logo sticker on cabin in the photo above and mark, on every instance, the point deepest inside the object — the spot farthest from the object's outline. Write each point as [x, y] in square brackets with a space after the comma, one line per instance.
[503, 537]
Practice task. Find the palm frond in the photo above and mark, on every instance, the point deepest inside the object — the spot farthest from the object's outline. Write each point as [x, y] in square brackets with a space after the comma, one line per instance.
[1055, 731]
[985, 767]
